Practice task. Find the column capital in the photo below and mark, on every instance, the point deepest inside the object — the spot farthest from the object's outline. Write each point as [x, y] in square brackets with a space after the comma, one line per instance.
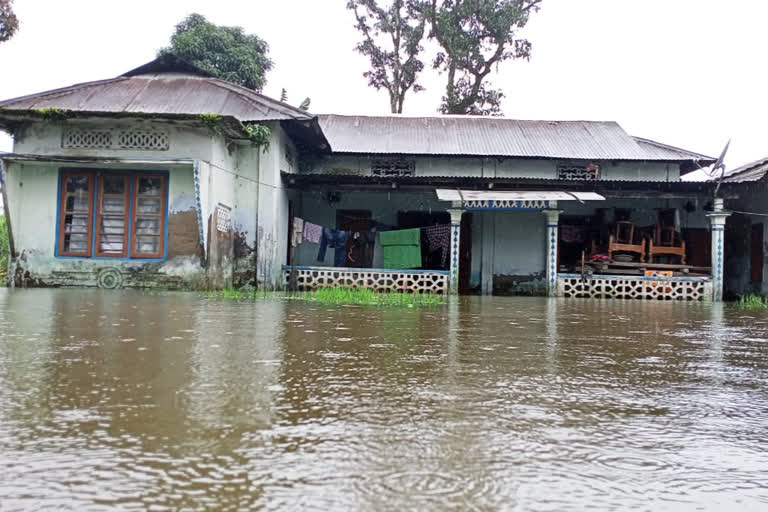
[717, 218]
[552, 215]
[455, 215]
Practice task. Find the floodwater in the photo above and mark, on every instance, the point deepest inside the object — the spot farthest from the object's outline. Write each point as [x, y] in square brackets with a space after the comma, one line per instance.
[123, 401]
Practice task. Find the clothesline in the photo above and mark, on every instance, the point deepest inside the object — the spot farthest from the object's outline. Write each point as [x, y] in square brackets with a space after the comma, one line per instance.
[401, 248]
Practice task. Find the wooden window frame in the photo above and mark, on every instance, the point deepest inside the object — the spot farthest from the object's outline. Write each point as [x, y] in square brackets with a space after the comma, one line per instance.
[163, 215]
[126, 216]
[63, 213]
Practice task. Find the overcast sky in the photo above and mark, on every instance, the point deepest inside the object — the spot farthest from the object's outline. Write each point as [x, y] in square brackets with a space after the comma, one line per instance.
[683, 72]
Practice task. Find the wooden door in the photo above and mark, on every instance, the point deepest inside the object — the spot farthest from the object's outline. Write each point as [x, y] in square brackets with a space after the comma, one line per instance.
[698, 247]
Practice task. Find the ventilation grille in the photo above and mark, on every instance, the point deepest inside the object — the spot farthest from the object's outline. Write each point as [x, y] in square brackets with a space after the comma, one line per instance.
[97, 139]
[150, 140]
[578, 172]
[381, 167]
[142, 139]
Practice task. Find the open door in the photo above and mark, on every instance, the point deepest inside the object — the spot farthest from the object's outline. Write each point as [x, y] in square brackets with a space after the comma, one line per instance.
[465, 253]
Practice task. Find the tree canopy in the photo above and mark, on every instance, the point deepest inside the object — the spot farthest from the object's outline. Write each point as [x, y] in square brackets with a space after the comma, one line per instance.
[392, 42]
[225, 52]
[9, 23]
[474, 36]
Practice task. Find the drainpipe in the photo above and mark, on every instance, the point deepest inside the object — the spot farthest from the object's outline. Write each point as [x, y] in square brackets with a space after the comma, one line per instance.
[7, 212]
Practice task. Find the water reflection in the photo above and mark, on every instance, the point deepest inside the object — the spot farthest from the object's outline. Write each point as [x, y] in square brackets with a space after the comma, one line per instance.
[126, 400]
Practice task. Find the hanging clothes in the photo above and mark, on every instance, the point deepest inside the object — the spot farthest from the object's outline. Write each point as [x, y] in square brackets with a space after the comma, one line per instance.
[334, 239]
[312, 232]
[401, 249]
[297, 236]
[360, 254]
[439, 238]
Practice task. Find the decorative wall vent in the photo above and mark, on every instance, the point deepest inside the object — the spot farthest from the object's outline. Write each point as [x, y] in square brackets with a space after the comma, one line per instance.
[588, 172]
[223, 218]
[312, 278]
[613, 287]
[96, 139]
[151, 140]
[390, 167]
[143, 139]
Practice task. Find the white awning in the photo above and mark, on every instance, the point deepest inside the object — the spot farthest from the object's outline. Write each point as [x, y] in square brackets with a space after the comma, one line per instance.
[446, 194]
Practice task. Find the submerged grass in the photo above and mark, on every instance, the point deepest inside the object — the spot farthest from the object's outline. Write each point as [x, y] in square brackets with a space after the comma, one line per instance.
[337, 296]
[364, 297]
[753, 301]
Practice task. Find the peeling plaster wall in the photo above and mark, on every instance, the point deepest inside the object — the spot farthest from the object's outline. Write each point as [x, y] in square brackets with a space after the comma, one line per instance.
[32, 191]
[272, 236]
[195, 258]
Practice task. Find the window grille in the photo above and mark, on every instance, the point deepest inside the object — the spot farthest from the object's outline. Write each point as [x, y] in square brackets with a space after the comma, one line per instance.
[383, 167]
[96, 139]
[588, 172]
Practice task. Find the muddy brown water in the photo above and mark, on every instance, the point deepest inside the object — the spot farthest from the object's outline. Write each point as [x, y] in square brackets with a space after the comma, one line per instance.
[124, 401]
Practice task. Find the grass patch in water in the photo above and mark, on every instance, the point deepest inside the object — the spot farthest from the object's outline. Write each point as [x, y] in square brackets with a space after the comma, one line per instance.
[363, 297]
[753, 301]
[234, 294]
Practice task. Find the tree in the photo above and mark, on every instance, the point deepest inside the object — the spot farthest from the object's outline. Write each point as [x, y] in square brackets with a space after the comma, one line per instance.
[392, 42]
[474, 36]
[9, 23]
[225, 52]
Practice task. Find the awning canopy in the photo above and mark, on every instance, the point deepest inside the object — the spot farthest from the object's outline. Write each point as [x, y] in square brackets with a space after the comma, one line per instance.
[445, 194]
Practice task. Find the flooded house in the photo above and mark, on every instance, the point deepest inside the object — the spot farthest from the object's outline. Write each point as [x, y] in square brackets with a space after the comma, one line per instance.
[165, 176]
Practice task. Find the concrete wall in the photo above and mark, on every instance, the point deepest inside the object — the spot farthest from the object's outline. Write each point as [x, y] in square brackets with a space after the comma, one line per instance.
[502, 167]
[199, 255]
[32, 191]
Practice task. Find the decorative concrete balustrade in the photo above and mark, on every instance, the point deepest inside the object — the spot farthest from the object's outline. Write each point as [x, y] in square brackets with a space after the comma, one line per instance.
[380, 280]
[639, 287]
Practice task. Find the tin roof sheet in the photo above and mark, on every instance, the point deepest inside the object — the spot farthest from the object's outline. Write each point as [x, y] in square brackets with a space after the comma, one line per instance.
[752, 171]
[164, 86]
[478, 136]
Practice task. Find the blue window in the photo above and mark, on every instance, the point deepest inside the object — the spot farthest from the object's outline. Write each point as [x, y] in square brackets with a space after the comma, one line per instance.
[112, 214]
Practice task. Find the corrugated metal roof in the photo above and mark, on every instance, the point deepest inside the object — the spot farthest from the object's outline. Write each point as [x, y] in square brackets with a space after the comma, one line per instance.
[167, 87]
[752, 171]
[479, 136]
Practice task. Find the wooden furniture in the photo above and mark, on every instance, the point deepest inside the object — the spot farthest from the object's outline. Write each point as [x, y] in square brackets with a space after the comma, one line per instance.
[666, 241]
[623, 240]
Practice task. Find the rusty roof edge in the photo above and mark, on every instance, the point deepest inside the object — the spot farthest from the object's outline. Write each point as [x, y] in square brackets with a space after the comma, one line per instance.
[61, 91]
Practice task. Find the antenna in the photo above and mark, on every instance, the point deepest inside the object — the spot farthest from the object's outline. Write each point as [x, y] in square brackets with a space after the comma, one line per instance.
[719, 165]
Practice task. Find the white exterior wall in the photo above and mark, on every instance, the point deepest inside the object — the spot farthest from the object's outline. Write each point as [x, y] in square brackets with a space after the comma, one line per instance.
[33, 188]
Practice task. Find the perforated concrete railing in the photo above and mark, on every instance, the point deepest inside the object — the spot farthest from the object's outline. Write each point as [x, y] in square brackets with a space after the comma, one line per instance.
[622, 287]
[381, 280]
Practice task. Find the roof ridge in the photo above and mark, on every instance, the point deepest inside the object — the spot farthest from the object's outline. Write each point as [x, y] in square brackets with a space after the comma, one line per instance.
[218, 82]
[468, 116]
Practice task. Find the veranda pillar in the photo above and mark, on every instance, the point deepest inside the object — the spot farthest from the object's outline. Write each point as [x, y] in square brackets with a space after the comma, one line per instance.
[553, 217]
[717, 220]
[453, 284]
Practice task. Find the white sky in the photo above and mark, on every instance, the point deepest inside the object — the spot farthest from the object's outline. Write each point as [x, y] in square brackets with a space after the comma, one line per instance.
[683, 72]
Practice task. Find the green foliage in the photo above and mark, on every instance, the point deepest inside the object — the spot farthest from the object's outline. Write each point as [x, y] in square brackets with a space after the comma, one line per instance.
[364, 297]
[474, 37]
[752, 301]
[9, 23]
[53, 115]
[258, 134]
[212, 123]
[4, 248]
[392, 42]
[225, 52]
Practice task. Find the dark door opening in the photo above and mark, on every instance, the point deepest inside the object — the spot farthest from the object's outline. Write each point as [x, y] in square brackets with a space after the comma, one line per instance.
[757, 253]
[359, 255]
